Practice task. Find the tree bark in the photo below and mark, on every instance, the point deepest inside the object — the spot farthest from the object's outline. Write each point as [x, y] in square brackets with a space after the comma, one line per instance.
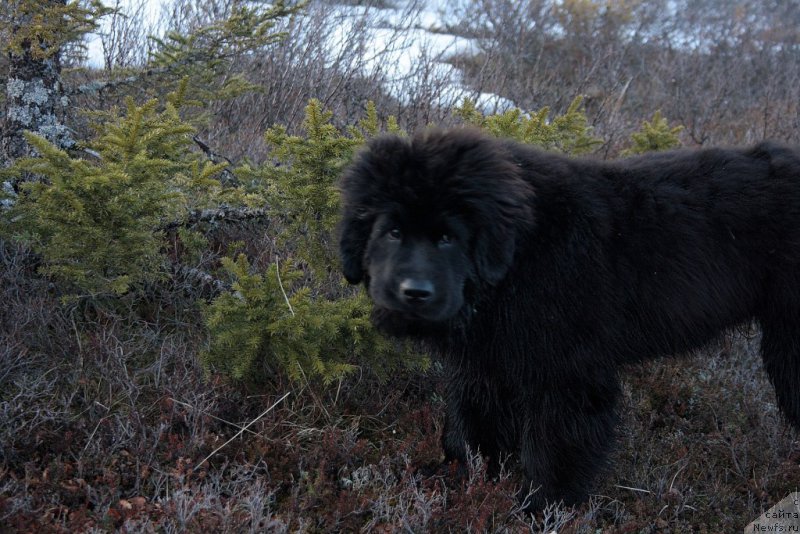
[35, 99]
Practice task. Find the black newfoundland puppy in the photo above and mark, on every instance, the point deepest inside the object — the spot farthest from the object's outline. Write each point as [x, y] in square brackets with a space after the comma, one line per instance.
[535, 276]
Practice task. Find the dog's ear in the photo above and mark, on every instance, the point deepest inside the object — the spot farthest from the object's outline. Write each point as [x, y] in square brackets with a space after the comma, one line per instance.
[494, 254]
[366, 183]
[353, 237]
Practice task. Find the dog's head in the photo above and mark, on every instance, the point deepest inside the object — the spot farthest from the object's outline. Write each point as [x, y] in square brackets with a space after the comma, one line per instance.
[427, 217]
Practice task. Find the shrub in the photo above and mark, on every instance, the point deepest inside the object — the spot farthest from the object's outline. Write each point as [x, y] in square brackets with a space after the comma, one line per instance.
[654, 135]
[301, 186]
[95, 223]
[568, 133]
[310, 328]
[260, 327]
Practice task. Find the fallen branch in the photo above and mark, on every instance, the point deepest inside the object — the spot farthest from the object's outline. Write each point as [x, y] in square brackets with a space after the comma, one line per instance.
[227, 178]
[215, 215]
[212, 416]
[206, 284]
[241, 431]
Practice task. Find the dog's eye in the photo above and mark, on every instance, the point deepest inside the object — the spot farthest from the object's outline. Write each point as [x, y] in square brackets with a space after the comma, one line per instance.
[395, 233]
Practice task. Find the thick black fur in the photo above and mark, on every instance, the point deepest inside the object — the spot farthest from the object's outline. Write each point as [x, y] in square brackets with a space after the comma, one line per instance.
[535, 276]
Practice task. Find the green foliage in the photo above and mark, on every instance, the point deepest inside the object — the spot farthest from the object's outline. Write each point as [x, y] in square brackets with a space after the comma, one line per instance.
[207, 54]
[42, 27]
[370, 125]
[655, 135]
[260, 323]
[292, 326]
[302, 187]
[568, 133]
[95, 223]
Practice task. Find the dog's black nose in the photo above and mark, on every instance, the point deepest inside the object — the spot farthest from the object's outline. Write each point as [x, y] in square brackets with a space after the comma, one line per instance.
[416, 291]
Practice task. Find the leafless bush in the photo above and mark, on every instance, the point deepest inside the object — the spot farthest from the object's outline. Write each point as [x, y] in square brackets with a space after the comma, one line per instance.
[35, 349]
[723, 70]
[326, 56]
[344, 56]
[185, 16]
[124, 37]
[250, 509]
[541, 53]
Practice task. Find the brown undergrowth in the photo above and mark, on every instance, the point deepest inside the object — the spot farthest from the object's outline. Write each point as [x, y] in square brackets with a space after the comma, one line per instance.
[108, 423]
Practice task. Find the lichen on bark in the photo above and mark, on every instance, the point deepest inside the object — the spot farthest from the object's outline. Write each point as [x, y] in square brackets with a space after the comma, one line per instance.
[35, 99]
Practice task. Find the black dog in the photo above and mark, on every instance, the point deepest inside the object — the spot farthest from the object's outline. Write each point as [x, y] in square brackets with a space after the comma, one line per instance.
[535, 277]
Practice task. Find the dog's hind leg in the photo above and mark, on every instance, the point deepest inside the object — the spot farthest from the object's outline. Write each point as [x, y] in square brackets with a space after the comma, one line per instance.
[780, 350]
